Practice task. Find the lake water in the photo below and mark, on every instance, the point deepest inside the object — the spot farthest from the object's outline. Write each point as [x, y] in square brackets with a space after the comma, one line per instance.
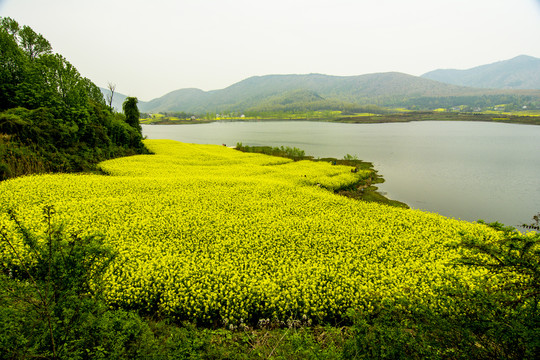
[464, 170]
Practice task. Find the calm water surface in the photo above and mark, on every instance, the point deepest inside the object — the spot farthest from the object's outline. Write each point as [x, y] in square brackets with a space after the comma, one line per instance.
[465, 170]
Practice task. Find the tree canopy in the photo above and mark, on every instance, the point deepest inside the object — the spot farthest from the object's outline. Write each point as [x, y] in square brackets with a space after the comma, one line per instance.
[131, 111]
[51, 117]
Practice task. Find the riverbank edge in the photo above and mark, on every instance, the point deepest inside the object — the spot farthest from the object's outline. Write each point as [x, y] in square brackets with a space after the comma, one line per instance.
[532, 119]
[364, 189]
[441, 116]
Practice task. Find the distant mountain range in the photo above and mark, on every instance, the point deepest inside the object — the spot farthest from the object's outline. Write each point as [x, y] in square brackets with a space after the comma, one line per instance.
[522, 72]
[254, 92]
[392, 89]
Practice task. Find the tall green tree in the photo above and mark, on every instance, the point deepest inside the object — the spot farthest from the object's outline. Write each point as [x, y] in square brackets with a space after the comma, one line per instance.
[13, 63]
[33, 43]
[10, 26]
[131, 111]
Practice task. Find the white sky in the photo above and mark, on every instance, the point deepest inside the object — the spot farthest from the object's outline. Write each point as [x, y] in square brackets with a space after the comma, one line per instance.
[149, 48]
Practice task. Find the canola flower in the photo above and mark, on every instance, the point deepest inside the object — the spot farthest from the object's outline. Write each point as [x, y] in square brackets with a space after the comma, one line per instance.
[210, 234]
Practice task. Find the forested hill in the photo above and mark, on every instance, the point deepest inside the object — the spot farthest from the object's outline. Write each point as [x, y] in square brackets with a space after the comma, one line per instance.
[390, 89]
[522, 72]
[52, 118]
[253, 92]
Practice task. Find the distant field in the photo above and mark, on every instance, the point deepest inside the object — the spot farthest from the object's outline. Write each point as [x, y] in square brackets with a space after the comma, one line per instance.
[524, 117]
[214, 235]
[393, 115]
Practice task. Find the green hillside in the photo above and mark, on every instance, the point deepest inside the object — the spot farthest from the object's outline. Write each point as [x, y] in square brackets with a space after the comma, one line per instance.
[521, 72]
[333, 92]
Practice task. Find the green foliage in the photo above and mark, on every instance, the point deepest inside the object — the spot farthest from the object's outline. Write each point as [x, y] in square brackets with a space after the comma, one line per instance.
[513, 265]
[294, 339]
[50, 114]
[51, 294]
[385, 331]
[5, 171]
[131, 111]
[34, 44]
[12, 70]
[497, 319]
[51, 304]
[282, 151]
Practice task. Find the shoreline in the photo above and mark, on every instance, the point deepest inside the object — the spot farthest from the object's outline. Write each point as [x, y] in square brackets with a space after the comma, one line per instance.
[380, 119]
[441, 116]
[363, 189]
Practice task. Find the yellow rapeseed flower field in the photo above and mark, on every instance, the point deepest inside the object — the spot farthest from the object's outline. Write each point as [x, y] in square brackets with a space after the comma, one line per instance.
[211, 234]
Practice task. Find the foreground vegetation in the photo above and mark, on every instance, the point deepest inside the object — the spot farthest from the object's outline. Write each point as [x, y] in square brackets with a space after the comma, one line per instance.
[251, 249]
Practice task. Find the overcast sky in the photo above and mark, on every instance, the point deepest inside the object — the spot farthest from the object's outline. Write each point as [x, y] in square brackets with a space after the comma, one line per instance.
[149, 48]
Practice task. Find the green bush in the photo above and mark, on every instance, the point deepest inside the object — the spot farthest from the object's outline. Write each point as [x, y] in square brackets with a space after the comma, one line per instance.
[51, 307]
[5, 171]
[498, 319]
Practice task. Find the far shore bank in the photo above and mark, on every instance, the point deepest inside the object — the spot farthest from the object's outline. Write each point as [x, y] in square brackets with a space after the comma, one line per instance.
[529, 119]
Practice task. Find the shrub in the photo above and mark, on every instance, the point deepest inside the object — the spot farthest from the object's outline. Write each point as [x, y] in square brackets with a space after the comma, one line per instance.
[499, 318]
[51, 304]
